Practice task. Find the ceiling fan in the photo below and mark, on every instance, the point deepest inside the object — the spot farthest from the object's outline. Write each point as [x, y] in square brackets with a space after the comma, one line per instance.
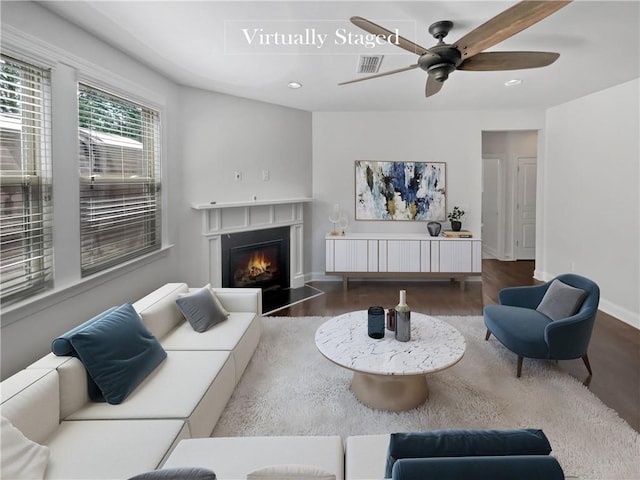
[467, 53]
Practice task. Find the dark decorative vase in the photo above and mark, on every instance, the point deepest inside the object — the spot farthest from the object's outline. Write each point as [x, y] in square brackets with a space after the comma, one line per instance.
[456, 225]
[434, 228]
[391, 320]
[375, 326]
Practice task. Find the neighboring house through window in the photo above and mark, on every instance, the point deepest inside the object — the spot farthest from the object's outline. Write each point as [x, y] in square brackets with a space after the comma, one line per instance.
[26, 251]
[119, 162]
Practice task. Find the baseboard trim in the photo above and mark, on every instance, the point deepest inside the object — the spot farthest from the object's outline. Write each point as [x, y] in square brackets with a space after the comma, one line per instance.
[622, 314]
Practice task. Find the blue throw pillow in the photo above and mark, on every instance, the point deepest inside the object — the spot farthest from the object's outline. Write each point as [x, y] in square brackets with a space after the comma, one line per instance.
[201, 308]
[464, 443]
[520, 467]
[61, 346]
[118, 351]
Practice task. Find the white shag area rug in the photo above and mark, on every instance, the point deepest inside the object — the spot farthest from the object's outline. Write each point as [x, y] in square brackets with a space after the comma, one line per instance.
[289, 388]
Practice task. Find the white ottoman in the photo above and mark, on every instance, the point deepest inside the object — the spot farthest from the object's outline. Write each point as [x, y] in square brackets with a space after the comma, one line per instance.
[234, 457]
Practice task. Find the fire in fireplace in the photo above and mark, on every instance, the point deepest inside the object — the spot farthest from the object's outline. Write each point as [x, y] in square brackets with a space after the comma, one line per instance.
[256, 259]
[258, 266]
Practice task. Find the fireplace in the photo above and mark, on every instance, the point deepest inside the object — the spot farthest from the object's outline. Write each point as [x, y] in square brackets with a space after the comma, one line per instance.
[258, 258]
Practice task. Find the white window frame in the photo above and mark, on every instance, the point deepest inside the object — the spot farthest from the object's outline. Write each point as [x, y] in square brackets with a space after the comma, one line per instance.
[120, 184]
[67, 69]
[27, 244]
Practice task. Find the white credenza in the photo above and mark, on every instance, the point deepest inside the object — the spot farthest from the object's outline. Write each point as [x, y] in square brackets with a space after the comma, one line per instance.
[402, 255]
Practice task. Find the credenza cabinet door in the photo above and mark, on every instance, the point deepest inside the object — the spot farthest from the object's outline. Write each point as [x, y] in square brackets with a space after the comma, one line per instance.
[348, 255]
[455, 256]
[403, 256]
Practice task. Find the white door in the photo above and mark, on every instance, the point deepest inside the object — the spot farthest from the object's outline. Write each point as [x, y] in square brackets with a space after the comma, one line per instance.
[525, 215]
[490, 207]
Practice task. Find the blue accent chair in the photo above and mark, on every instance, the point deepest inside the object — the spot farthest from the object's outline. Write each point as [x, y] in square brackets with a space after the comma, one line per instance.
[512, 454]
[528, 333]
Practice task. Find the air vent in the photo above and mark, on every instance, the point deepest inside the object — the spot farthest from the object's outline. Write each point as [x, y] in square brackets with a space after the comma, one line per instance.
[369, 63]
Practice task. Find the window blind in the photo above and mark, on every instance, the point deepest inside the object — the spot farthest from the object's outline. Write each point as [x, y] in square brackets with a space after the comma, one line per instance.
[119, 161]
[26, 249]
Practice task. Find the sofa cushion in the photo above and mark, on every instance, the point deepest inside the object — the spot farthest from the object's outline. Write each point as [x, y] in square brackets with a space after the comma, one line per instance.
[561, 300]
[118, 352]
[367, 456]
[293, 471]
[31, 402]
[463, 443]
[62, 345]
[193, 386]
[110, 449]
[21, 458]
[185, 473]
[201, 308]
[235, 457]
[158, 309]
[223, 336]
[73, 379]
[240, 335]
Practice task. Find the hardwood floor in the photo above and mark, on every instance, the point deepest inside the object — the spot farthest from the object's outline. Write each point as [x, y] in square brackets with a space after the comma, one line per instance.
[614, 351]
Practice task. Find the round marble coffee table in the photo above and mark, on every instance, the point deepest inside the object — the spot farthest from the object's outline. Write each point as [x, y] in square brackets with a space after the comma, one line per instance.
[388, 374]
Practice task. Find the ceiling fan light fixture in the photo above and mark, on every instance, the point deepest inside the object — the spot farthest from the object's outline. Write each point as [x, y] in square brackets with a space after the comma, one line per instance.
[294, 85]
[441, 71]
[512, 82]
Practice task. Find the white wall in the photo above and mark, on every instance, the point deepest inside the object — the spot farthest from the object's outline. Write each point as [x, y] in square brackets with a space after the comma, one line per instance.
[592, 205]
[339, 139]
[223, 134]
[28, 328]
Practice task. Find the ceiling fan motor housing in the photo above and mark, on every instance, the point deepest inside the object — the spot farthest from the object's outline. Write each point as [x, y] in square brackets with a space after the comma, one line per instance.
[440, 61]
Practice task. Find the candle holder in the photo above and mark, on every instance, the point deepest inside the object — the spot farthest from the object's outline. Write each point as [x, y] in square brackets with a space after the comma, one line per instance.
[339, 221]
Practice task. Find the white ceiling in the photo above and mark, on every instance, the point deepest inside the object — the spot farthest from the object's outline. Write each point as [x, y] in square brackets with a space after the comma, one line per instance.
[598, 42]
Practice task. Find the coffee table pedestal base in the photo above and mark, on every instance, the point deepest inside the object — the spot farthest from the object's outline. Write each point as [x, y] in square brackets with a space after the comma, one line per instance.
[395, 393]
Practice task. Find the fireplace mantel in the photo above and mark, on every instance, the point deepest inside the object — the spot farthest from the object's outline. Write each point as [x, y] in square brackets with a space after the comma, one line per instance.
[231, 217]
[218, 205]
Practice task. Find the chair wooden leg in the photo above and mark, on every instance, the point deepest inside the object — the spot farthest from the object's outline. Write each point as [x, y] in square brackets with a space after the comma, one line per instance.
[486, 337]
[519, 366]
[585, 359]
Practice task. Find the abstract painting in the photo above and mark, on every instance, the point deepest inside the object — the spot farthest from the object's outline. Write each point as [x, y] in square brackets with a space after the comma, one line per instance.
[400, 190]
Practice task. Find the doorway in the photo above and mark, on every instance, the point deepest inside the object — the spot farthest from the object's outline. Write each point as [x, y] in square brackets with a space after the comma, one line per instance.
[509, 172]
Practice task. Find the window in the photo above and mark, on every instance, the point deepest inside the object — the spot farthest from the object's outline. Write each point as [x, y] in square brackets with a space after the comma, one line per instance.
[26, 251]
[119, 160]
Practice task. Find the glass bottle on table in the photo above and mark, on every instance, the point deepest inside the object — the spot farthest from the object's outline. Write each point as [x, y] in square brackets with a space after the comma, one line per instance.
[403, 319]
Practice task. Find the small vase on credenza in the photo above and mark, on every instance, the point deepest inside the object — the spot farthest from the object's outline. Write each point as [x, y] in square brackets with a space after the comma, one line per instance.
[456, 225]
[434, 228]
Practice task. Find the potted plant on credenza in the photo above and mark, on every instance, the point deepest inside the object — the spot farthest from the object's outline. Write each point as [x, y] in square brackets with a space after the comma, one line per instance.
[455, 217]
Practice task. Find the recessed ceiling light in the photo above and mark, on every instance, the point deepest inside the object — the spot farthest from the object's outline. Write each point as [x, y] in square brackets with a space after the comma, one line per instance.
[513, 81]
[294, 85]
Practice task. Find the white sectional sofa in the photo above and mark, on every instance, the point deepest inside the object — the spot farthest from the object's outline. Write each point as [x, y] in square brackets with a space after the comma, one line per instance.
[165, 422]
[182, 398]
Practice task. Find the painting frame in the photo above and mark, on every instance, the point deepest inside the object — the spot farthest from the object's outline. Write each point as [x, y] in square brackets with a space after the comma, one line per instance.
[400, 190]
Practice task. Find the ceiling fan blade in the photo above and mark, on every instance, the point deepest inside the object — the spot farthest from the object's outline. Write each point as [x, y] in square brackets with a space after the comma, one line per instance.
[506, 24]
[494, 61]
[376, 29]
[390, 72]
[433, 86]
